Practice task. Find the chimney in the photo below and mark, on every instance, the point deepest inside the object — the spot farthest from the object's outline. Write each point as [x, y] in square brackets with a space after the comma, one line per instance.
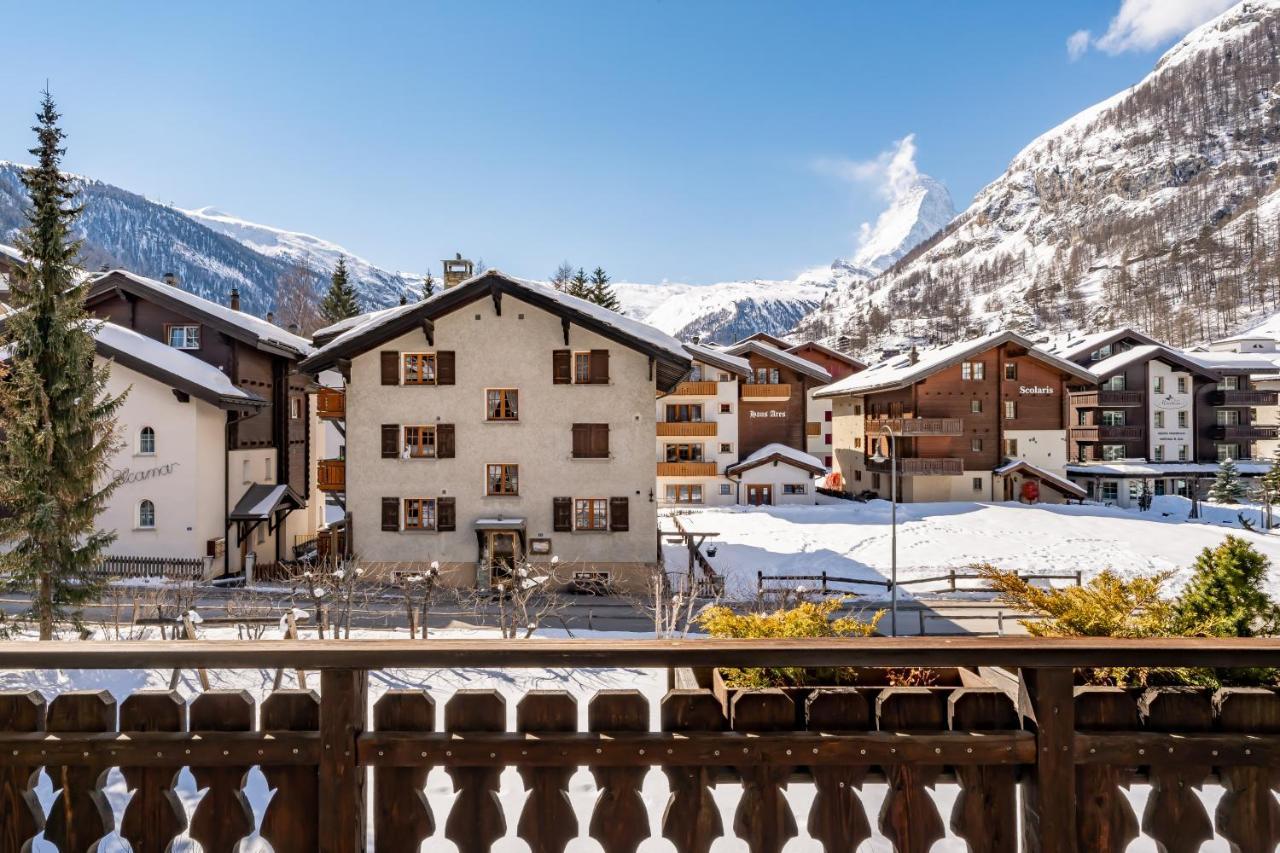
[170, 279]
[235, 298]
[404, 300]
[271, 316]
[457, 270]
[914, 355]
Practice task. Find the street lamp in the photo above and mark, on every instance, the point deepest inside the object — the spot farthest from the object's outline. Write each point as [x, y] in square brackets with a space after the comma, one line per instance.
[878, 458]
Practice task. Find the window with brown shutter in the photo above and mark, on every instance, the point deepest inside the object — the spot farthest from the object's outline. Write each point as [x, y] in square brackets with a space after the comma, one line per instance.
[391, 514]
[590, 441]
[446, 514]
[562, 514]
[444, 441]
[599, 367]
[390, 367]
[619, 514]
[445, 372]
[390, 441]
[561, 367]
[590, 514]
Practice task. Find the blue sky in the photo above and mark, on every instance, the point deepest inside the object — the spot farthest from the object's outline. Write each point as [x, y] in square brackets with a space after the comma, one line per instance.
[664, 140]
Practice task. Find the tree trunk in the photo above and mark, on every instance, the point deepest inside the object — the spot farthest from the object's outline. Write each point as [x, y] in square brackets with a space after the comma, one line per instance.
[44, 606]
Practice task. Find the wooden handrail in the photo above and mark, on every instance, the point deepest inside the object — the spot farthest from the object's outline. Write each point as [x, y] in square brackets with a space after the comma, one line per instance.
[872, 651]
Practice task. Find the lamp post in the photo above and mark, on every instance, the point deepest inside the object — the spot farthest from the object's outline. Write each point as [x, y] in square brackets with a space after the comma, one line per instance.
[878, 458]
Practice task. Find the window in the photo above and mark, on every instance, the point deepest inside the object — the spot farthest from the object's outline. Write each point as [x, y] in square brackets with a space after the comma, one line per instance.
[975, 406]
[684, 452]
[419, 368]
[1157, 453]
[262, 534]
[977, 484]
[502, 479]
[1110, 490]
[1227, 417]
[1157, 385]
[857, 443]
[146, 441]
[266, 470]
[1011, 447]
[1082, 418]
[184, 337]
[695, 375]
[1112, 452]
[501, 404]
[688, 493]
[857, 409]
[1115, 383]
[1010, 410]
[419, 514]
[1011, 370]
[1159, 419]
[976, 370]
[146, 515]
[875, 481]
[591, 514]
[295, 407]
[1115, 417]
[684, 413]
[1182, 420]
[1182, 453]
[724, 377]
[826, 439]
[726, 489]
[975, 445]
[794, 489]
[1135, 489]
[419, 442]
[1100, 353]
[726, 447]
[767, 376]
[1227, 451]
[590, 441]
[726, 408]
[1182, 384]
[1229, 383]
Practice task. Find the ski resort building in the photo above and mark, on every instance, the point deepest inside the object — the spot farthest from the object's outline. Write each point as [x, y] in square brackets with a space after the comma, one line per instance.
[501, 423]
[215, 452]
[983, 419]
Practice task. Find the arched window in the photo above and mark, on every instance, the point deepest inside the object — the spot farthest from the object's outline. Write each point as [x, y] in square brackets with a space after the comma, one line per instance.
[146, 515]
[147, 441]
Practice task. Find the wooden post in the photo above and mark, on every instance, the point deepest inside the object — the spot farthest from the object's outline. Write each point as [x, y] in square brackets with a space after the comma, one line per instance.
[21, 816]
[289, 823]
[952, 575]
[1049, 791]
[343, 701]
[1105, 820]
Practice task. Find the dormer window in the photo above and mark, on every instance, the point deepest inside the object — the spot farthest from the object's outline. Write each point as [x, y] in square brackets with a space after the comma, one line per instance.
[184, 337]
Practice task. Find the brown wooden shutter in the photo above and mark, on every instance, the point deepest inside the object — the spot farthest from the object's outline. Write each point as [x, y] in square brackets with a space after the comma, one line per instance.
[600, 441]
[619, 514]
[390, 441]
[391, 514]
[390, 367]
[444, 441]
[599, 367]
[446, 514]
[445, 367]
[581, 441]
[561, 367]
[562, 514]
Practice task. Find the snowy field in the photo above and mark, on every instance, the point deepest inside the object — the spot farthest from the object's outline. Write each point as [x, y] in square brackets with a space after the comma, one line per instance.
[853, 539]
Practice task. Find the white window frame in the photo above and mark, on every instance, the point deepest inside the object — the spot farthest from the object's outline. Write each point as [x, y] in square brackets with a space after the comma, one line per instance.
[140, 520]
[189, 339]
[143, 433]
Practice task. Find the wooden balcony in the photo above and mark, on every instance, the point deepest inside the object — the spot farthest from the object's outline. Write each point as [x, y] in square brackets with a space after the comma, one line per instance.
[686, 469]
[1097, 399]
[909, 427]
[684, 429]
[1245, 398]
[1090, 432]
[331, 475]
[755, 392]
[1245, 431]
[701, 388]
[331, 404]
[914, 466]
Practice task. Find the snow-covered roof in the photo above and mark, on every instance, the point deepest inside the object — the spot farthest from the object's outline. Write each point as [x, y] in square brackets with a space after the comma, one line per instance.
[1060, 483]
[719, 358]
[1146, 352]
[1077, 345]
[833, 353]
[1238, 362]
[1140, 468]
[782, 453]
[171, 366]
[384, 325]
[11, 253]
[331, 331]
[260, 500]
[260, 330]
[795, 362]
[899, 371]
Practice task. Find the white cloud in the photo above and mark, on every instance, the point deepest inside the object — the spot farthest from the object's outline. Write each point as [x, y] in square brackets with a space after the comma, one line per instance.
[1147, 24]
[1078, 43]
[891, 175]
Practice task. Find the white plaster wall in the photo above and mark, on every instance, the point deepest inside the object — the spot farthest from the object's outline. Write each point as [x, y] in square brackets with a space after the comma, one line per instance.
[816, 412]
[778, 475]
[726, 433]
[1170, 402]
[846, 426]
[1046, 448]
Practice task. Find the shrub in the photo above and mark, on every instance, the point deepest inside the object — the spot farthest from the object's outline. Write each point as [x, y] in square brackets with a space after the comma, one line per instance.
[1225, 596]
[805, 620]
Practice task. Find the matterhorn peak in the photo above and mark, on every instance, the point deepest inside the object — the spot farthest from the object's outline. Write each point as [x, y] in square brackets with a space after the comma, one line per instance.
[918, 207]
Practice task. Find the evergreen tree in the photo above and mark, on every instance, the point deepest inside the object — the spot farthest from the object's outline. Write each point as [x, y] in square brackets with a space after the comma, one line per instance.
[1227, 487]
[59, 422]
[580, 285]
[428, 286]
[563, 275]
[1225, 595]
[602, 292]
[340, 302]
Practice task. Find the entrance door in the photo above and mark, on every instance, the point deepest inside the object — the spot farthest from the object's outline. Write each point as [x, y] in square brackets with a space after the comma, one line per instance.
[503, 553]
[759, 495]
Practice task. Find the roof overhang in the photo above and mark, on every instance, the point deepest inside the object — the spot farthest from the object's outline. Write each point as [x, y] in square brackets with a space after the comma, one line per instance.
[833, 353]
[774, 458]
[790, 360]
[261, 501]
[223, 401]
[1059, 484]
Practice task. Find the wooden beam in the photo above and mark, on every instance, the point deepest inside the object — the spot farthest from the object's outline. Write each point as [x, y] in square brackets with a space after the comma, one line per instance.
[1049, 793]
[564, 327]
[181, 396]
[165, 749]
[429, 329]
[496, 293]
[342, 795]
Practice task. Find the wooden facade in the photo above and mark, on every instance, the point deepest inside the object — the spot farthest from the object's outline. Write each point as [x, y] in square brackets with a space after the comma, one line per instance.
[777, 414]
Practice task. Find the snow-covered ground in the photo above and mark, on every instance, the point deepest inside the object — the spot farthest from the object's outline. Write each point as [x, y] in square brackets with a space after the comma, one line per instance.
[853, 539]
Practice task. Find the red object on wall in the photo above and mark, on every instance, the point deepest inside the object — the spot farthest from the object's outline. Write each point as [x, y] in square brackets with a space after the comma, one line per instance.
[1031, 491]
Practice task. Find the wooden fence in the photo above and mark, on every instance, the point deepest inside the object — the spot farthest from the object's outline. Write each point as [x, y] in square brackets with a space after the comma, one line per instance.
[152, 567]
[829, 584]
[333, 760]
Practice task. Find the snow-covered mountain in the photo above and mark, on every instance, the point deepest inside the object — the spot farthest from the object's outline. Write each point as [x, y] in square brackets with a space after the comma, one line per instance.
[1158, 207]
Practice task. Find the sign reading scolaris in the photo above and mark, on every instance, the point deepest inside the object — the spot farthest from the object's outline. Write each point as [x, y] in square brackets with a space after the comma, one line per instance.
[127, 475]
[768, 413]
[1036, 390]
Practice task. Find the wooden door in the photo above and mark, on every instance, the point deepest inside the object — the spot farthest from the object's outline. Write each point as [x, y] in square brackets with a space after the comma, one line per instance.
[759, 495]
[503, 552]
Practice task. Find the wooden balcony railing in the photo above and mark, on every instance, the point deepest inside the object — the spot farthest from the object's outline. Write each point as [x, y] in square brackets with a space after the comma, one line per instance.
[1249, 431]
[1081, 432]
[700, 388]
[331, 404]
[1090, 399]
[682, 429]
[686, 469]
[1050, 771]
[1245, 398]
[757, 392]
[922, 466]
[331, 475]
[916, 426]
